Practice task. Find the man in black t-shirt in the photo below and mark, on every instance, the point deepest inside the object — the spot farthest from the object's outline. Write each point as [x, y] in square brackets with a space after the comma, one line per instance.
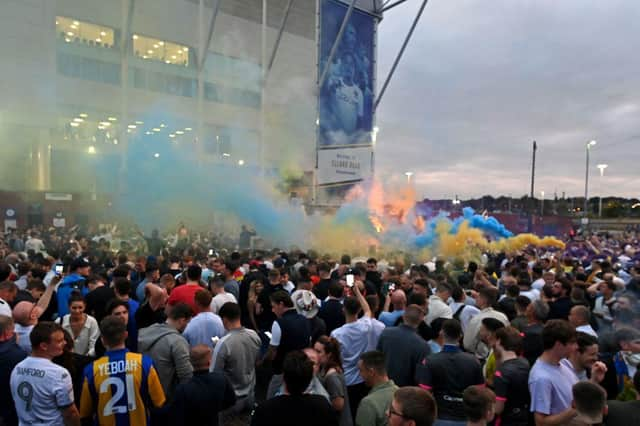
[331, 309]
[98, 297]
[448, 373]
[511, 379]
[295, 407]
[321, 290]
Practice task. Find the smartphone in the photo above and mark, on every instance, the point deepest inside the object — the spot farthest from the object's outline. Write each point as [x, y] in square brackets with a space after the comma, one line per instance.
[268, 334]
[210, 252]
[392, 288]
[58, 269]
[215, 340]
[350, 280]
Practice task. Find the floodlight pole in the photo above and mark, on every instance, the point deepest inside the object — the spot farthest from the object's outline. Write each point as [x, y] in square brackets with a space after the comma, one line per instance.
[279, 37]
[400, 53]
[212, 23]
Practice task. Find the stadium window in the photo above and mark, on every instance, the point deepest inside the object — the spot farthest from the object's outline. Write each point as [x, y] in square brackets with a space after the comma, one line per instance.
[74, 31]
[154, 49]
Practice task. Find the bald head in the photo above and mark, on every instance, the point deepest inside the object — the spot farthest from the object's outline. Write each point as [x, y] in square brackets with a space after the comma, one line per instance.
[398, 300]
[200, 357]
[23, 313]
[579, 315]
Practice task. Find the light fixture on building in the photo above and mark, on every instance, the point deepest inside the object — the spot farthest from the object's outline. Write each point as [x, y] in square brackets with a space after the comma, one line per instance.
[76, 23]
[240, 162]
[70, 34]
[132, 126]
[68, 40]
[167, 61]
[115, 141]
[74, 27]
[135, 36]
[163, 125]
[100, 127]
[78, 120]
[74, 124]
[105, 123]
[156, 155]
[139, 122]
[150, 51]
[161, 43]
[102, 33]
[172, 136]
[185, 49]
[155, 129]
[179, 132]
[112, 119]
[92, 150]
[155, 46]
[83, 115]
[188, 129]
[226, 154]
[98, 40]
[147, 132]
[174, 57]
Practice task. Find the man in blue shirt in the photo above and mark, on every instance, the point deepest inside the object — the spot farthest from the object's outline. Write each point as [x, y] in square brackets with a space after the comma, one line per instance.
[75, 281]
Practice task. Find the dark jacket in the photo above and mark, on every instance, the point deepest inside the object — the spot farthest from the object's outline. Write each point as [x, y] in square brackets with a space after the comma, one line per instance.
[10, 355]
[199, 401]
[296, 335]
[332, 314]
[295, 410]
[403, 350]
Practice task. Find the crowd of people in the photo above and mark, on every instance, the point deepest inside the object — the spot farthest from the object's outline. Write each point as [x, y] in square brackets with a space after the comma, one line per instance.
[96, 329]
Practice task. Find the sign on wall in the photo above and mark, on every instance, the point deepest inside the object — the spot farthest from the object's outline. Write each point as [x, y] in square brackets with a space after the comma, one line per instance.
[344, 165]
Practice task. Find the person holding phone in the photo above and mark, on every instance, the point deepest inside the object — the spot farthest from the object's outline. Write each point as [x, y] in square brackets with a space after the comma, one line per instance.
[355, 338]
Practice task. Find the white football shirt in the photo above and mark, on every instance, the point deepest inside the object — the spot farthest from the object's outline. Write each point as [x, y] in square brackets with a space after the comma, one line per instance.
[40, 390]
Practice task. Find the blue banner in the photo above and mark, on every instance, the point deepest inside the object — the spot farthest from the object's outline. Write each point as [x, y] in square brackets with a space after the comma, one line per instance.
[346, 97]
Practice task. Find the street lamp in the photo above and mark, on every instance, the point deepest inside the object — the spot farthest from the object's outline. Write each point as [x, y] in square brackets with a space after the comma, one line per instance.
[601, 167]
[586, 179]
[408, 175]
[541, 203]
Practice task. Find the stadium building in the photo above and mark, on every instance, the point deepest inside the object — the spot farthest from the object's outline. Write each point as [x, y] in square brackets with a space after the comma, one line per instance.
[82, 81]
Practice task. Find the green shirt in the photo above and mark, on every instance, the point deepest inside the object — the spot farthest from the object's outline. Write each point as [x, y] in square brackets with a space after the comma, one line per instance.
[373, 407]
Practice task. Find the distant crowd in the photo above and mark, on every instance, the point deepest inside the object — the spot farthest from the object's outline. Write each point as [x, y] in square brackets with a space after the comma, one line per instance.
[109, 327]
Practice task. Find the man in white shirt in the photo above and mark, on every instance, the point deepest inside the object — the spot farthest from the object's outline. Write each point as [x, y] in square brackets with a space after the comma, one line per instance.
[8, 292]
[462, 311]
[42, 390]
[438, 307]
[579, 317]
[354, 338]
[220, 295]
[34, 243]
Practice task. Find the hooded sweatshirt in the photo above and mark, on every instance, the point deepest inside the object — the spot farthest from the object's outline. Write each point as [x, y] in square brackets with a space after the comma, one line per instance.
[170, 354]
[70, 283]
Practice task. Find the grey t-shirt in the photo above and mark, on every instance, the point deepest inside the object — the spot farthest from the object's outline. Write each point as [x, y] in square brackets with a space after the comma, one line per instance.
[235, 355]
[336, 388]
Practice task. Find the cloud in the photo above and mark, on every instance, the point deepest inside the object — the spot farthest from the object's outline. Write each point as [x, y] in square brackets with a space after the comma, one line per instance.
[479, 82]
